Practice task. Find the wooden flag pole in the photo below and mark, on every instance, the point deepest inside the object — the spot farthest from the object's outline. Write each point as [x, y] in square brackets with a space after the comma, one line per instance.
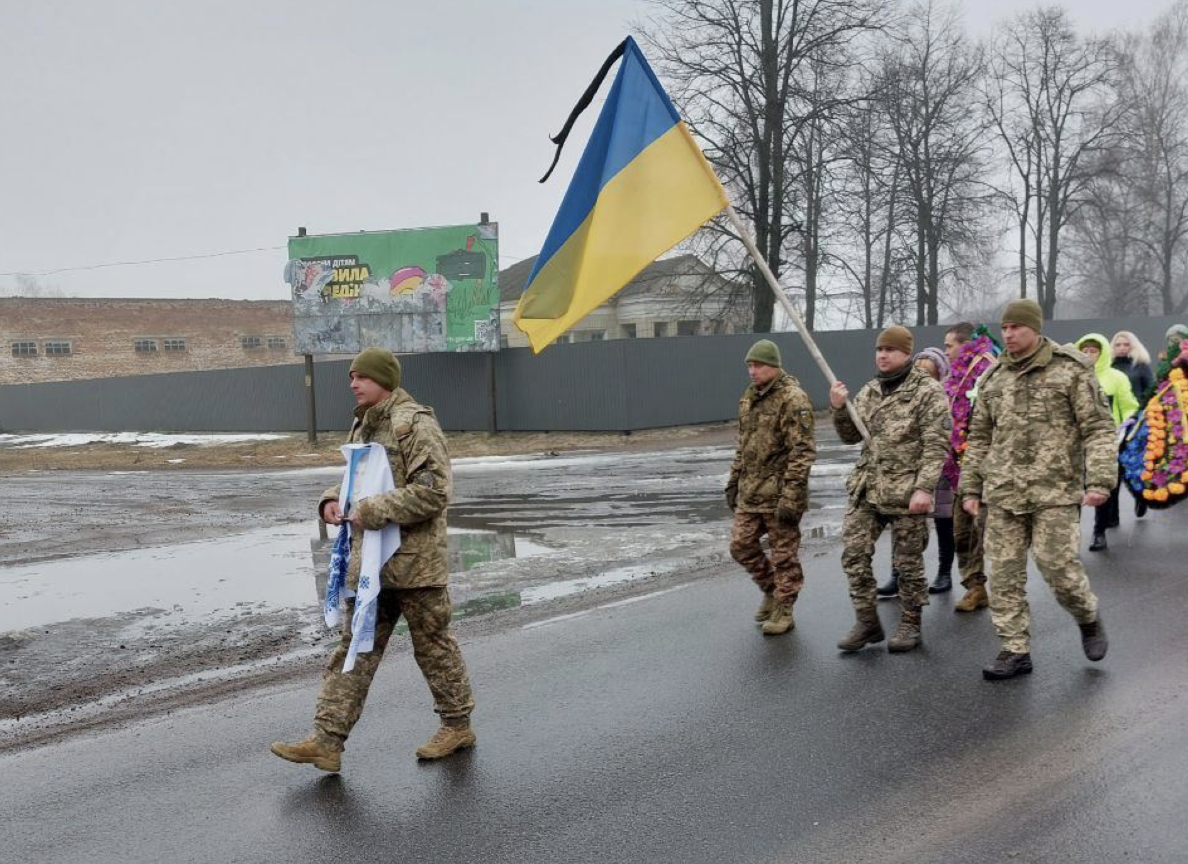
[784, 302]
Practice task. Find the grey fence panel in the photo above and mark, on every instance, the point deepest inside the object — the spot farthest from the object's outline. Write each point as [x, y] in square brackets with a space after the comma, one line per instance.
[618, 385]
[580, 387]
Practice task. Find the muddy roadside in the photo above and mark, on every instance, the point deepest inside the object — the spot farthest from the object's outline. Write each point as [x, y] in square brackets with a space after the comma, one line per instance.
[587, 525]
[78, 500]
[292, 450]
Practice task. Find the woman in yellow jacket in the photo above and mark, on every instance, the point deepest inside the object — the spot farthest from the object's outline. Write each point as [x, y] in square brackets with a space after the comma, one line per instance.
[1116, 387]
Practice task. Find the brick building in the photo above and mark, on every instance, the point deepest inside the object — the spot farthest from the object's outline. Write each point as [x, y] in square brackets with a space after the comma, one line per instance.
[59, 339]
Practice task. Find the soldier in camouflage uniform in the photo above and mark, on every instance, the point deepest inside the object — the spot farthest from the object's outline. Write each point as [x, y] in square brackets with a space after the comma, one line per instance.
[907, 415]
[1041, 445]
[768, 486]
[414, 579]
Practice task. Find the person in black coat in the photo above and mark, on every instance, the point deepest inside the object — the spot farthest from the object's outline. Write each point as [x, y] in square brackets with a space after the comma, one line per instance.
[1132, 358]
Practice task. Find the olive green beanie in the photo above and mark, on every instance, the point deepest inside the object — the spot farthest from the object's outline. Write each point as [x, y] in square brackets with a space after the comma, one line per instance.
[899, 338]
[765, 351]
[380, 365]
[1026, 313]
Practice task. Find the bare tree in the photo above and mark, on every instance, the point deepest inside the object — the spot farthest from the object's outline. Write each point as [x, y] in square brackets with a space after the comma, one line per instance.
[737, 69]
[1051, 103]
[931, 74]
[30, 286]
[1153, 98]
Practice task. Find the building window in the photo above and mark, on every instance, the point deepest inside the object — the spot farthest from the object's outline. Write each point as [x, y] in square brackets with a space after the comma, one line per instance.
[24, 349]
[660, 328]
[688, 328]
[276, 343]
[145, 346]
[597, 335]
[628, 331]
[56, 348]
[174, 346]
[251, 343]
[563, 339]
[502, 341]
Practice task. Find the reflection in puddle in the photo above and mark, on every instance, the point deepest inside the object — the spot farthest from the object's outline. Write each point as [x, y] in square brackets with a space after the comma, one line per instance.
[466, 549]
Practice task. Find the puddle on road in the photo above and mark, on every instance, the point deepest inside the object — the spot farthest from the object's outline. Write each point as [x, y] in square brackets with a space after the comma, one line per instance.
[227, 576]
[232, 576]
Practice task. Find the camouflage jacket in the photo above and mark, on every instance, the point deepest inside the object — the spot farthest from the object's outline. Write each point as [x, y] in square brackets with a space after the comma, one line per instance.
[776, 447]
[420, 464]
[1041, 433]
[909, 431]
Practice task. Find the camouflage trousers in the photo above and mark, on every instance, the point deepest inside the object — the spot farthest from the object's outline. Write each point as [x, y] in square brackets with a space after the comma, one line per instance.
[1053, 534]
[780, 575]
[427, 611]
[909, 538]
[969, 536]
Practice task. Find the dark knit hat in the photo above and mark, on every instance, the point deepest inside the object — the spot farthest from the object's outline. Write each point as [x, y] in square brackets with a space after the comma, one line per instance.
[1026, 313]
[765, 351]
[380, 365]
[899, 338]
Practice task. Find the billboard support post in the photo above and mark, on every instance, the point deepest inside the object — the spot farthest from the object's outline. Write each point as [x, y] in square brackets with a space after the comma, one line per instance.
[492, 415]
[311, 410]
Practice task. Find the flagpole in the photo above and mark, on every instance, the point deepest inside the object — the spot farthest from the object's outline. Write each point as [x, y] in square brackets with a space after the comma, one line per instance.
[787, 306]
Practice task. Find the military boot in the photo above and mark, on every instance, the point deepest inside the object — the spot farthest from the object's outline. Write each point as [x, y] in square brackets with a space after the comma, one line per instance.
[1007, 665]
[1099, 544]
[765, 608]
[446, 741]
[907, 634]
[781, 620]
[866, 631]
[975, 598]
[310, 752]
[1093, 639]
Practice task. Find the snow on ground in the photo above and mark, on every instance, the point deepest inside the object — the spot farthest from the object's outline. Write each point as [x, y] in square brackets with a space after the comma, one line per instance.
[137, 439]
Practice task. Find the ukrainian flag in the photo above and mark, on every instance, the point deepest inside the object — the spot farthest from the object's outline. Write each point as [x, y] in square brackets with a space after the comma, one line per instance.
[641, 187]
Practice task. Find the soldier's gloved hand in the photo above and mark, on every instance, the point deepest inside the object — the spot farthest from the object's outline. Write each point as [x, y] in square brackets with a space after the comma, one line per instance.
[787, 511]
[732, 495]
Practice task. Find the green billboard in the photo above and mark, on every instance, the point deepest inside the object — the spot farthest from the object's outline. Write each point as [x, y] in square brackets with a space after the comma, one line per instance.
[410, 291]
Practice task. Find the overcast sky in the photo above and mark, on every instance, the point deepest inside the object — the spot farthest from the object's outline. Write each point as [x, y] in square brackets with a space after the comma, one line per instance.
[141, 130]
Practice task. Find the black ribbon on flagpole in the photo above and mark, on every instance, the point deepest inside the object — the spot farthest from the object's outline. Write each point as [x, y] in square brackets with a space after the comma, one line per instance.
[583, 104]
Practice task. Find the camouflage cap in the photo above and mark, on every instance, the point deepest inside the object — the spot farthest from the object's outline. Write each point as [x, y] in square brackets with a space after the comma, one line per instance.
[765, 351]
[1026, 313]
[380, 365]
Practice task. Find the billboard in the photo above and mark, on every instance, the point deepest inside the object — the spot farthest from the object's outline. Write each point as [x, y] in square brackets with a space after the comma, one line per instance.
[410, 291]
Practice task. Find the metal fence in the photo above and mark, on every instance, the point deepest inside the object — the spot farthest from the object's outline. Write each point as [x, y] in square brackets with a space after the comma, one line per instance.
[618, 385]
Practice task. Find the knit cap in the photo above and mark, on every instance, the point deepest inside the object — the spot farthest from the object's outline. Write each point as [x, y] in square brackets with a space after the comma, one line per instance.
[380, 365]
[1025, 312]
[765, 351]
[899, 338]
[939, 359]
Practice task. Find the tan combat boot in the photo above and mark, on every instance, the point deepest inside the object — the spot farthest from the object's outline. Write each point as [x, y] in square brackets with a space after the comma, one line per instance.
[446, 741]
[781, 620]
[310, 752]
[975, 598]
[866, 631]
[765, 608]
[907, 634]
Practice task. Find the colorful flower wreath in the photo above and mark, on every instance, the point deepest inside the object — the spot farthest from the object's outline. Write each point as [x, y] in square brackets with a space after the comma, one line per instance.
[974, 358]
[1154, 453]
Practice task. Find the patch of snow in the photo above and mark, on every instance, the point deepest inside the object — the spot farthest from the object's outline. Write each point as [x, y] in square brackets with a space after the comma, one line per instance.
[135, 439]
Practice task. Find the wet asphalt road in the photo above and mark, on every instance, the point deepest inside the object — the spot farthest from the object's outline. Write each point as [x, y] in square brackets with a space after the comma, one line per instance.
[665, 728]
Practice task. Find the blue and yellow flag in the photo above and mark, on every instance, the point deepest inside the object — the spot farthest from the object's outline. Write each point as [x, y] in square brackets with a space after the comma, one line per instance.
[641, 187]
